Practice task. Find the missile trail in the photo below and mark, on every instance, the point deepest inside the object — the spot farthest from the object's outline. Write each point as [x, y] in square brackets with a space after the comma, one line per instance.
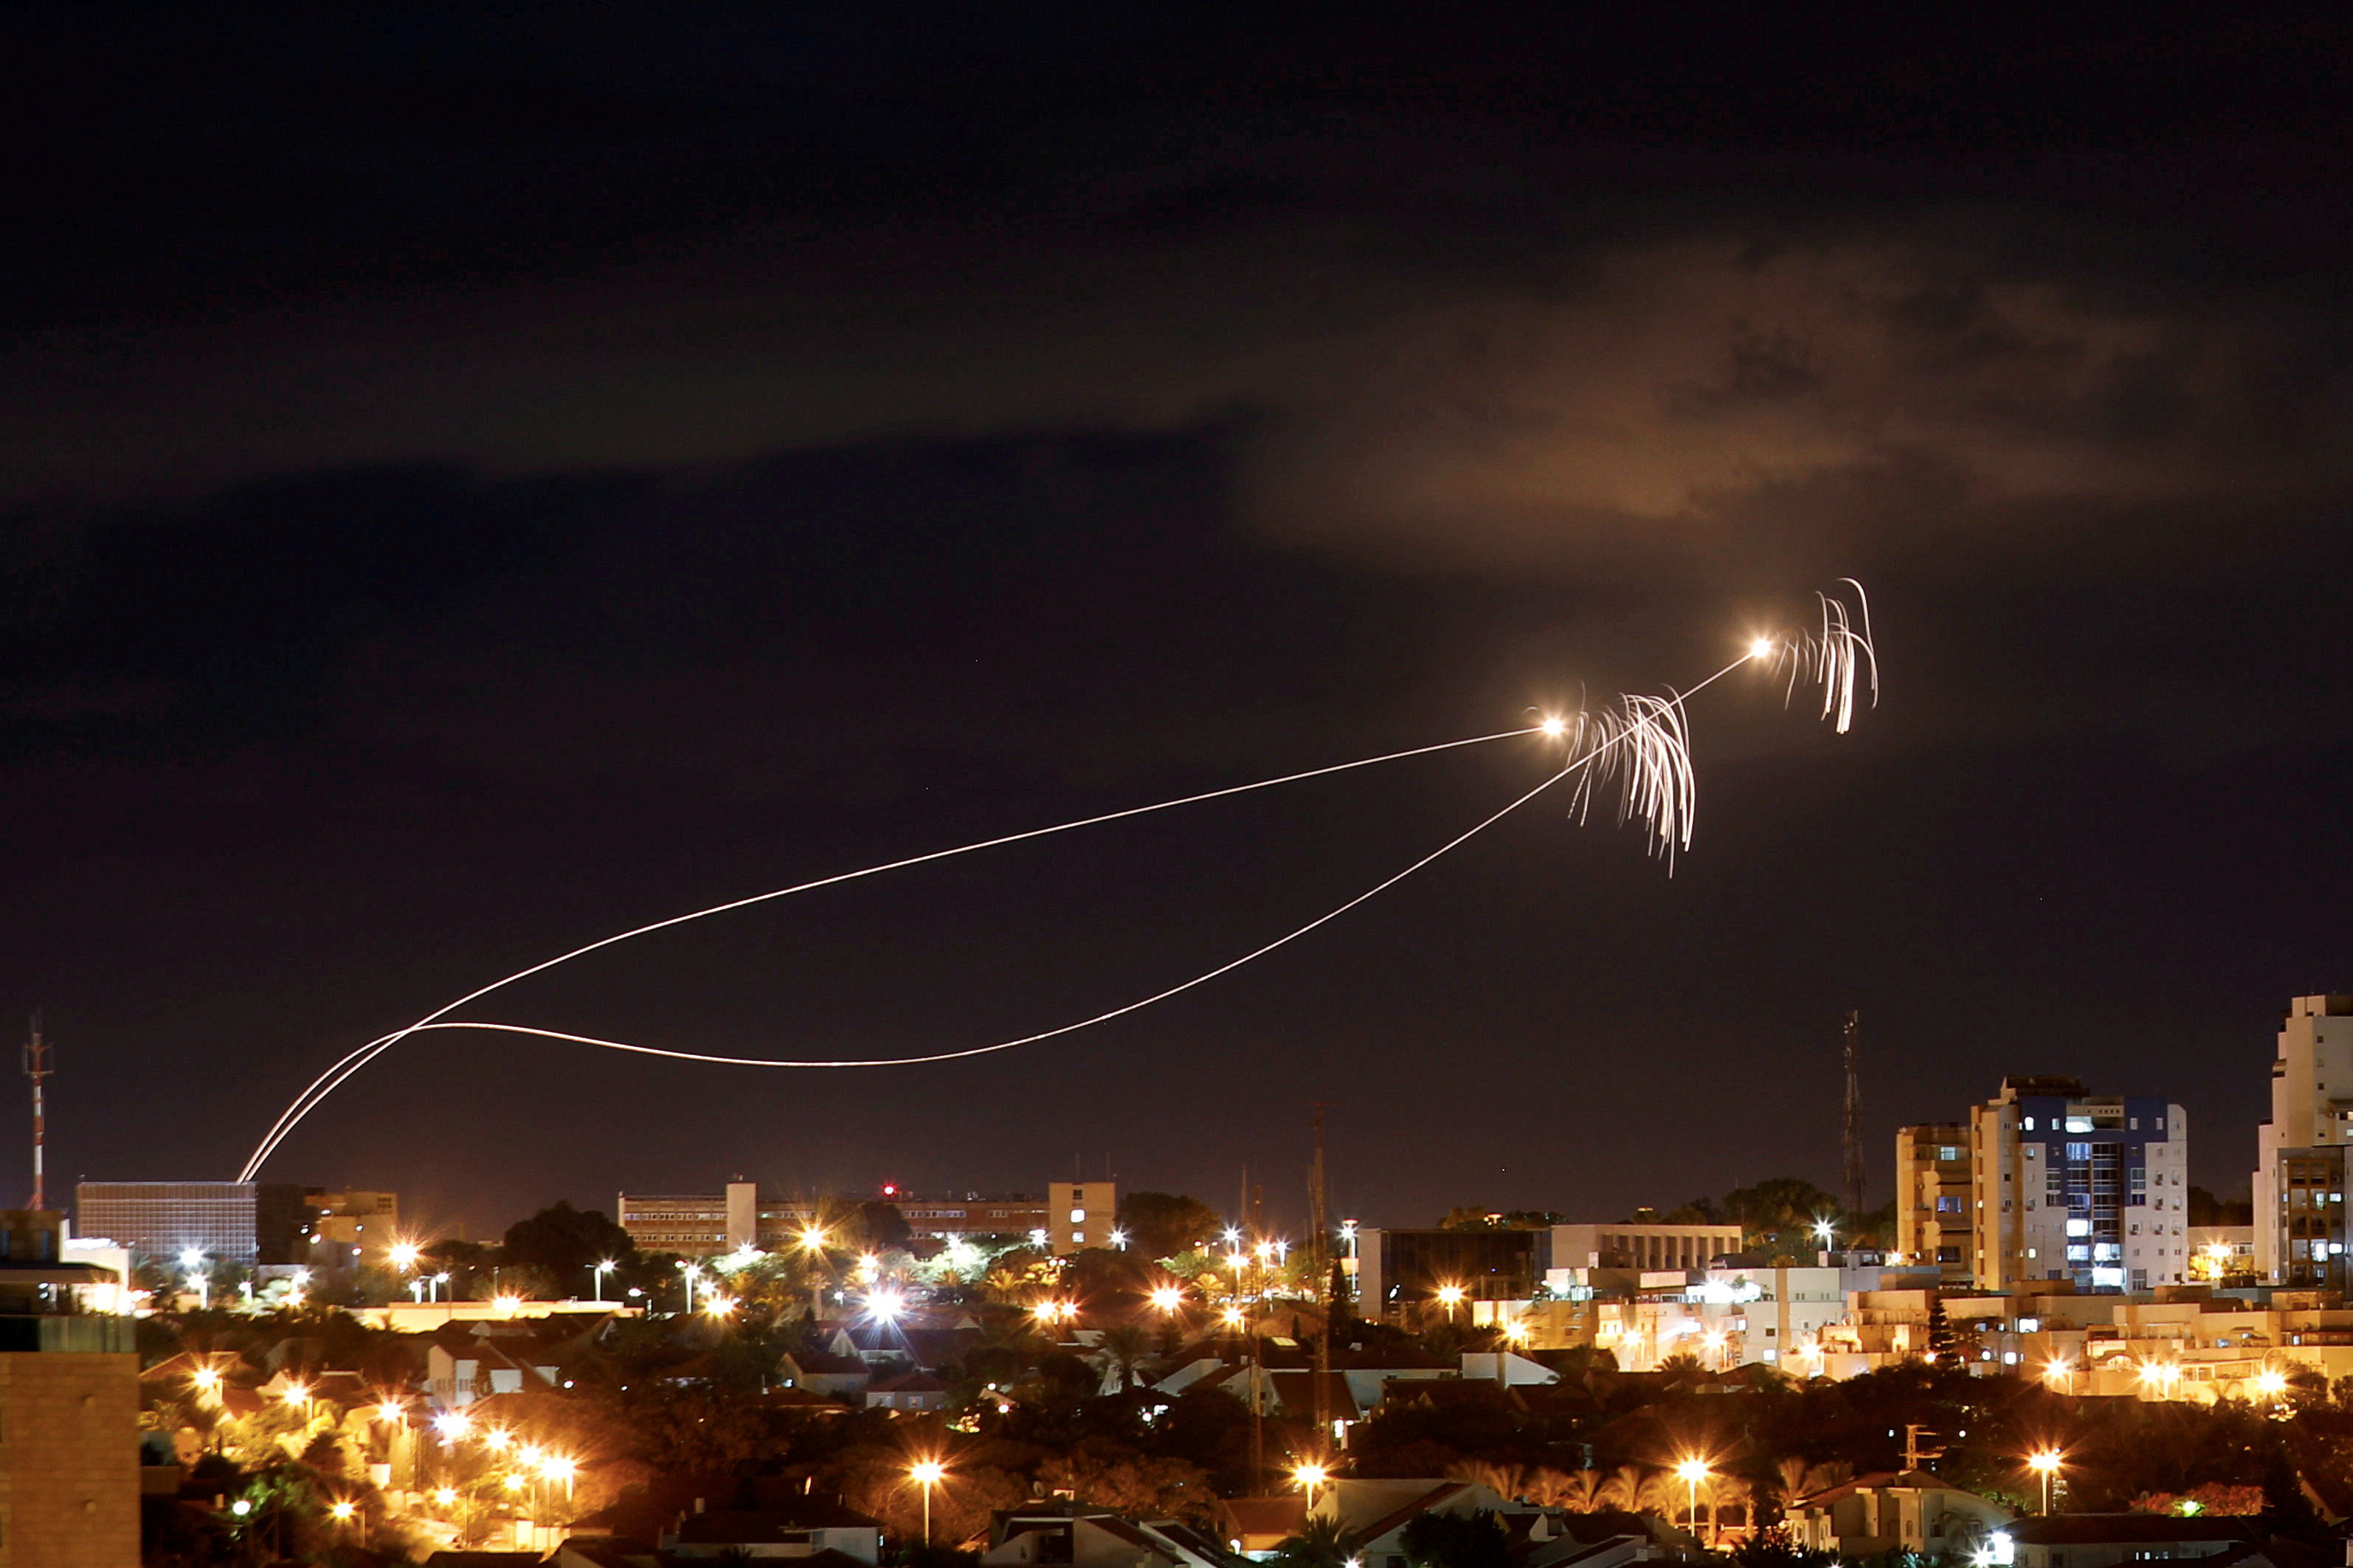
[1644, 745]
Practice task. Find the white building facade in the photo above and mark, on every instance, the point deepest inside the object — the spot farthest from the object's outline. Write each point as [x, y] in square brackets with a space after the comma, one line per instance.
[2312, 1114]
[2070, 1185]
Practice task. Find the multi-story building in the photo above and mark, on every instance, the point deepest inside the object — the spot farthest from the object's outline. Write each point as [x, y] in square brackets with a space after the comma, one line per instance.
[2067, 1185]
[1072, 1215]
[344, 1228]
[1933, 1175]
[69, 1407]
[2306, 1211]
[2309, 1119]
[165, 1219]
[1642, 1246]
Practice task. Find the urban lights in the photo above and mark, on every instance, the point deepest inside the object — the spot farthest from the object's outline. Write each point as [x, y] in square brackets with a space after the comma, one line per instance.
[2044, 1462]
[1309, 1476]
[927, 1473]
[1691, 1472]
[1169, 1298]
[600, 1270]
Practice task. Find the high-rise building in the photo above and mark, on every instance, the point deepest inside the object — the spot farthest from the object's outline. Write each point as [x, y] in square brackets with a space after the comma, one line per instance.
[2070, 1185]
[2310, 1125]
[165, 1219]
[1934, 1175]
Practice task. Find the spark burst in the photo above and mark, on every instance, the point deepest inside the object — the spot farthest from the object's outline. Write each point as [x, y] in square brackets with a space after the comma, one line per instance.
[1643, 745]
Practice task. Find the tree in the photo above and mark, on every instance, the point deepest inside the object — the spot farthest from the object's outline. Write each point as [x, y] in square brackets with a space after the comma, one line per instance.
[1323, 1543]
[1167, 1225]
[563, 1243]
[1455, 1540]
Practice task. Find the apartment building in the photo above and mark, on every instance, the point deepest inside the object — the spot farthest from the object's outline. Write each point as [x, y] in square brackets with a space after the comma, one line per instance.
[2070, 1185]
[1935, 1177]
[2299, 1187]
[1070, 1217]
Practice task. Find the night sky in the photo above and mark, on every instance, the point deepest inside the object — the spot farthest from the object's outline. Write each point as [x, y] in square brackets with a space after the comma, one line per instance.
[472, 483]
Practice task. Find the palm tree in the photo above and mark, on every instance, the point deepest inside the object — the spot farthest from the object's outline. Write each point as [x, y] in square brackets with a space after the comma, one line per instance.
[1126, 1348]
[1321, 1544]
[1579, 1491]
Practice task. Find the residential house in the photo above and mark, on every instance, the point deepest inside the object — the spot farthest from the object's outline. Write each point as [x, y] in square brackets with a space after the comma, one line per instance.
[2100, 1540]
[1072, 1535]
[824, 1533]
[1907, 1511]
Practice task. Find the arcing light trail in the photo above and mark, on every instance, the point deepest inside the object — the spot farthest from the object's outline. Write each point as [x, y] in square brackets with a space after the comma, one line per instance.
[1645, 745]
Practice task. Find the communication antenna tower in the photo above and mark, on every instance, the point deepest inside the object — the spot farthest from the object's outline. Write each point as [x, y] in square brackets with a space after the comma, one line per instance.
[1853, 1120]
[38, 1068]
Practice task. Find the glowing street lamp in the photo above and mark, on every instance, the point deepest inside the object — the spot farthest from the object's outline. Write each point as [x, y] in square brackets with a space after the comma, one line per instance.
[2272, 1381]
[296, 1395]
[1169, 1298]
[1449, 1296]
[453, 1425]
[555, 1469]
[600, 1270]
[207, 1380]
[692, 1271]
[1309, 1476]
[446, 1496]
[927, 1473]
[1232, 1316]
[813, 1239]
[403, 1254]
[2059, 1373]
[720, 1307]
[1825, 1231]
[884, 1307]
[1692, 1472]
[2044, 1462]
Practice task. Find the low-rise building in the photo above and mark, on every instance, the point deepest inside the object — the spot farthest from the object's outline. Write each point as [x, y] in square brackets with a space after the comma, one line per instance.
[1909, 1510]
[69, 1445]
[807, 1529]
[2103, 1539]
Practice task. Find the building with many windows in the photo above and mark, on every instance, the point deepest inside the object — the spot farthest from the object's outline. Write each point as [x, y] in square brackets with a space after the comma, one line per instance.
[2311, 1122]
[1073, 1215]
[165, 1219]
[2070, 1185]
[1934, 1176]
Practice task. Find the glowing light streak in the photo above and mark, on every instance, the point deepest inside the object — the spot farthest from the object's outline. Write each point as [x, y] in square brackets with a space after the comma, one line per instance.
[327, 1082]
[1644, 745]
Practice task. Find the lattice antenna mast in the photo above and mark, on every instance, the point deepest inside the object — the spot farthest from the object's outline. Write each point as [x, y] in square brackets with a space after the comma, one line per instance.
[1853, 1120]
[38, 1066]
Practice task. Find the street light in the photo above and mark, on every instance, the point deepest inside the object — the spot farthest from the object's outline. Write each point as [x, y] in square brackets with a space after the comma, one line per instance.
[927, 1474]
[1825, 1231]
[2059, 1373]
[1309, 1476]
[1693, 1471]
[1169, 1298]
[600, 1270]
[1451, 1297]
[692, 1272]
[2044, 1462]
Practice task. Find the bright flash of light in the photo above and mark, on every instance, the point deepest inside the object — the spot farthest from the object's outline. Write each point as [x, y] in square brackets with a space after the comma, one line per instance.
[506, 1303]
[241, 1507]
[1711, 1340]
[1643, 744]
[2271, 1383]
[343, 1510]
[1169, 1298]
[813, 1239]
[1554, 728]
[529, 1455]
[557, 1469]
[1233, 1316]
[2057, 1372]
[497, 1438]
[389, 1411]
[1451, 1295]
[719, 1306]
[297, 1395]
[1692, 1471]
[1762, 647]
[445, 1496]
[513, 1482]
[403, 1254]
[453, 1424]
[927, 1472]
[206, 1379]
[1309, 1476]
[884, 1306]
[2044, 1461]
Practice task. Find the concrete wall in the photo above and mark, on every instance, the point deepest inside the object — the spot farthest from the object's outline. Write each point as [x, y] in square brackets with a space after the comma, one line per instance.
[68, 1460]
